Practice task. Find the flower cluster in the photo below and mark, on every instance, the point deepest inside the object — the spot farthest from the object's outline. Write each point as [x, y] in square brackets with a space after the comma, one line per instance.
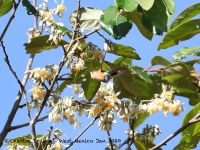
[47, 22]
[40, 75]
[65, 108]
[164, 102]
[148, 133]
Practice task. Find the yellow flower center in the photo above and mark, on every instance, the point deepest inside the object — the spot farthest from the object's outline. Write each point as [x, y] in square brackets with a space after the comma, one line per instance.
[76, 90]
[62, 7]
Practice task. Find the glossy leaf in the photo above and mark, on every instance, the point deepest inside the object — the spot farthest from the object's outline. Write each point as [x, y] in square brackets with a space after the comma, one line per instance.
[127, 5]
[110, 14]
[158, 60]
[156, 18]
[39, 44]
[31, 10]
[123, 61]
[65, 31]
[184, 52]
[146, 4]
[125, 51]
[169, 4]
[5, 6]
[63, 85]
[182, 32]
[118, 28]
[90, 86]
[186, 15]
[191, 135]
[180, 77]
[136, 18]
[141, 74]
[88, 18]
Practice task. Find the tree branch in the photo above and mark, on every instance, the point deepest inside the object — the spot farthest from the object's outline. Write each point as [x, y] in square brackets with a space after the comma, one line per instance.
[10, 20]
[26, 124]
[110, 140]
[195, 119]
[87, 127]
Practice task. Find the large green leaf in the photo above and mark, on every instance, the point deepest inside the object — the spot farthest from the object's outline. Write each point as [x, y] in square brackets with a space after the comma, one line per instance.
[146, 4]
[141, 74]
[39, 44]
[184, 52]
[31, 10]
[169, 4]
[136, 17]
[191, 135]
[5, 6]
[181, 32]
[90, 86]
[156, 18]
[117, 26]
[186, 15]
[88, 18]
[179, 76]
[125, 51]
[127, 5]
[158, 60]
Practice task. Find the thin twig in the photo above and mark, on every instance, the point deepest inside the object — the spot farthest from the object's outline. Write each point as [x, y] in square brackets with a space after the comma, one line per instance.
[79, 135]
[110, 140]
[195, 119]
[102, 36]
[48, 137]
[9, 21]
[26, 124]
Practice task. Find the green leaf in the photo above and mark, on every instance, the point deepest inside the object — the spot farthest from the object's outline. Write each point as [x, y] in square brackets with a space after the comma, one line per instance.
[182, 53]
[30, 8]
[125, 51]
[110, 14]
[191, 135]
[123, 61]
[156, 18]
[39, 44]
[118, 28]
[146, 4]
[158, 60]
[5, 6]
[182, 32]
[142, 75]
[65, 31]
[186, 15]
[92, 64]
[179, 76]
[169, 4]
[144, 145]
[136, 18]
[127, 5]
[90, 86]
[88, 18]
[124, 83]
[140, 119]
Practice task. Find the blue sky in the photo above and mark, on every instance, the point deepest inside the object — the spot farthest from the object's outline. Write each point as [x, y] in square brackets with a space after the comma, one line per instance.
[16, 37]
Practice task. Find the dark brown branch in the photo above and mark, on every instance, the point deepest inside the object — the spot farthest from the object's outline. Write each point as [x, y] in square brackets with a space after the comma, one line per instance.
[86, 128]
[110, 140]
[26, 124]
[195, 119]
[102, 36]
